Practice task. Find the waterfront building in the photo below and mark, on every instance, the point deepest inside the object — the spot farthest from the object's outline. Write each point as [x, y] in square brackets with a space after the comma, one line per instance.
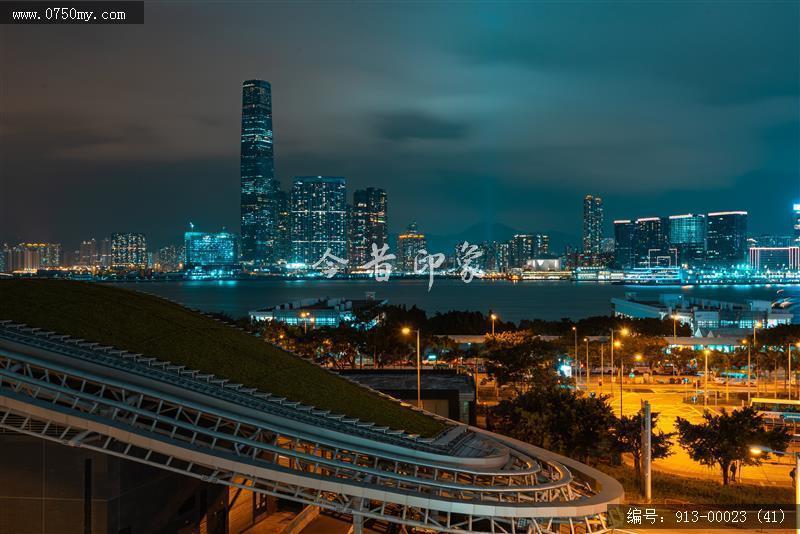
[774, 258]
[704, 316]
[104, 253]
[651, 243]
[318, 218]
[31, 257]
[796, 222]
[524, 247]
[592, 229]
[283, 239]
[368, 224]
[409, 244]
[259, 188]
[211, 251]
[128, 251]
[4, 258]
[726, 238]
[687, 235]
[497, 256]
[327, 312]
[170, 258]
[87, 253]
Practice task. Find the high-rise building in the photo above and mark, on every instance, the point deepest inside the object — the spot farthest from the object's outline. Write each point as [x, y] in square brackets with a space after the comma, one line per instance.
[409, 244]
[592, 229]
[624, 243]
[170, 258]
[104, 253]
[796, 222]
[651, 243]
[687, 235]
[87, 253]
[368, 224]
[259, 188]
[726, 238]
[283, 239]
[207, 250]
[525, 247]
[319, 218]
[34, 256]
[128, 251]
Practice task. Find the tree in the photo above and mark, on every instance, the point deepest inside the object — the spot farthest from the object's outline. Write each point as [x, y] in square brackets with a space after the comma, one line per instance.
[558, 419]
[628, 435]
[520, 360]
[727, 438]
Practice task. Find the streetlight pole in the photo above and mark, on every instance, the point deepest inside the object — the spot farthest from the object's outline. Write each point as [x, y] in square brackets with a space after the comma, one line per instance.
[586, 339]
[757, 450]
[744, 342]
[406, 331]
[577, 367]
[705, 378]
[674, 328]
[493, 318]
[602, 369]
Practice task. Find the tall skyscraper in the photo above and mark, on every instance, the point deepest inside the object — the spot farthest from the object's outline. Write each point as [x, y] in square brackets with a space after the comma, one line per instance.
[727, 238]
[687, 235]
[368, 224]
[87, 253]
[624, 243]
[592, 229]
[283, 239]
[524, 247]
[409, 243]
[796, 222]
[128, 251]
[318, 218]
[259, 188]
[651, 243]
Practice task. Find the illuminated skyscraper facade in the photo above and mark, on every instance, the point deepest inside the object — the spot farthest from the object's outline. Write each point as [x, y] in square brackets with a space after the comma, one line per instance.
[259, 188]
[368, 224]
[651, 248]
[592, 229]
[687, 235]
[624, 242]
[128, 251]
[318, 218]
[208, 250]
[409, 243]
[525, 247]
[726, 238]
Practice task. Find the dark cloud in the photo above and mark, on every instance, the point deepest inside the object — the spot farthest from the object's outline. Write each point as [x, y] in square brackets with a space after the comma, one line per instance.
[402, 126]
[467, 113]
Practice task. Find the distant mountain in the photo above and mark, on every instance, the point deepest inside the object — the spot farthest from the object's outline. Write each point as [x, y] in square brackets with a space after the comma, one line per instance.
[478, 233]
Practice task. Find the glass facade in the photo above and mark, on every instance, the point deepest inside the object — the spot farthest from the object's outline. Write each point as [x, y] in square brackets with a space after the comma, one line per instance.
[211, 250]
[409, 243]
[368, 224]
[726, 238]
[796, 222]
[259, 188]
[318, 218]
[592, 230]
[651, 243]
[624, 240]
[687, 235]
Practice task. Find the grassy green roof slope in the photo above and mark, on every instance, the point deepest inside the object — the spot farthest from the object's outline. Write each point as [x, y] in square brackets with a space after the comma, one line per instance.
[143, 323]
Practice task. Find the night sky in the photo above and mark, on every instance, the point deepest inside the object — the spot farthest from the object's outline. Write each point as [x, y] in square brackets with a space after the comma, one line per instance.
[466, 113]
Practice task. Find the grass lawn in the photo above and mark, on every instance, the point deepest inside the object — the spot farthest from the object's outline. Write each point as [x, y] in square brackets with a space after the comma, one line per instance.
[697, 491]
[143, 323]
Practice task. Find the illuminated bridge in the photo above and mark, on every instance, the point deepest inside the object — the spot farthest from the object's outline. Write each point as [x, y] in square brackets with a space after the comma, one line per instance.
[82, 394]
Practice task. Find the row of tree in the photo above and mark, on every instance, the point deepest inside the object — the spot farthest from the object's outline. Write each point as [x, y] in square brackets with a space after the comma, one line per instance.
[585, 428]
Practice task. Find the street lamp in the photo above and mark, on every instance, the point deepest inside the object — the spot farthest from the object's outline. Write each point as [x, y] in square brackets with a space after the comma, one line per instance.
[577, 368]
[406, 331]
[675, 318]
[744, 342]
[586, 339]
[305, 315]
[758, 450]
[494, 318]
[789, 369]
[616, 344]
[705, 378]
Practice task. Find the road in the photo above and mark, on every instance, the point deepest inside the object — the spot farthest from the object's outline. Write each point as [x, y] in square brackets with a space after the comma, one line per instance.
[667, 400]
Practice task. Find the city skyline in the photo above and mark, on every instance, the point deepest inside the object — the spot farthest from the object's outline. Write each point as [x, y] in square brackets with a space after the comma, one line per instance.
[498, 134]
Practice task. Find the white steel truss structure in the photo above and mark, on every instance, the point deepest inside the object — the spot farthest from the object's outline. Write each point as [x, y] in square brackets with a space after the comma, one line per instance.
[131, 406]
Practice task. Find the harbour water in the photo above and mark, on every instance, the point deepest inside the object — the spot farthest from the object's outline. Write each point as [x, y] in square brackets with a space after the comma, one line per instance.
[512, 301]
